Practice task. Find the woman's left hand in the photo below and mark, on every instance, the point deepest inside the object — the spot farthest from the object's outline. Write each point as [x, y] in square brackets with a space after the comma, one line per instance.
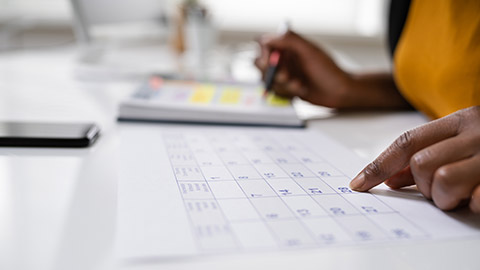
[441, 157]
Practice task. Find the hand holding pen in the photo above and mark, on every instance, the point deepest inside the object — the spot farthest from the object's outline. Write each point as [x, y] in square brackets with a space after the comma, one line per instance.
[292, 66]
[303, 69]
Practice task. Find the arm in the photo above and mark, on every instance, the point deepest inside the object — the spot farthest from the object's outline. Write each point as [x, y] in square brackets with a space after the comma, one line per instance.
[377, 90]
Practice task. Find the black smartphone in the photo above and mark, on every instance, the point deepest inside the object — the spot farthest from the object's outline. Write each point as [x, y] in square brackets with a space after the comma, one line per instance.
[26, 134]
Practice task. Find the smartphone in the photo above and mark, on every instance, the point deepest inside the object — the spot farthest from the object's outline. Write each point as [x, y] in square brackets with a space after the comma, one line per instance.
[26, 134]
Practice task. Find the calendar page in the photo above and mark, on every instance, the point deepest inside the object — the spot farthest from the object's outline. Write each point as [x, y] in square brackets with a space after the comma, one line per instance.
[215, 190]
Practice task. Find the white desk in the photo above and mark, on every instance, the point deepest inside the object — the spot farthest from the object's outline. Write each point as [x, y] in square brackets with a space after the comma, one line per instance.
[58, 207]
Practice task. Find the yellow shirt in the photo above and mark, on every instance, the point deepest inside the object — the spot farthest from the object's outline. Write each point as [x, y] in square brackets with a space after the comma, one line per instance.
[437, 59]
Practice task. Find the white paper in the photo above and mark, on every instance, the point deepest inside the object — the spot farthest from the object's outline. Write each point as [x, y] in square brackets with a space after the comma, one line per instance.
[190, 191]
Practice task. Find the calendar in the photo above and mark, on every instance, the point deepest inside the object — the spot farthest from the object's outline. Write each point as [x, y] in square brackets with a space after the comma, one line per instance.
[245, 190]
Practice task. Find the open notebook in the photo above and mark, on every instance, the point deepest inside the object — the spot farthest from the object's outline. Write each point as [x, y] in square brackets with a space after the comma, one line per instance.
[198, 102]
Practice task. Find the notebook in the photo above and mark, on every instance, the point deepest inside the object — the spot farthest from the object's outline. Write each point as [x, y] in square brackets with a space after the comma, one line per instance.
[184, 101]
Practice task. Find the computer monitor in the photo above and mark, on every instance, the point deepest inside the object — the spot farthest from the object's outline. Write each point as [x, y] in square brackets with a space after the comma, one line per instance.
[90, 13]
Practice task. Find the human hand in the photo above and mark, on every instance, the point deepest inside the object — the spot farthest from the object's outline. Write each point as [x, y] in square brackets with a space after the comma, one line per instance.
[441, 157]
[305, 70]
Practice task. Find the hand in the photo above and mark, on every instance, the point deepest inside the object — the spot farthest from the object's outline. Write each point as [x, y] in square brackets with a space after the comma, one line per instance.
[306, 71]
[441, 157]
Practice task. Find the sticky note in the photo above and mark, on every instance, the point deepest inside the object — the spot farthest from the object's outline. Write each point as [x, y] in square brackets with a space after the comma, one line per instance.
[277, 101]
[230, 96]
[203, 94]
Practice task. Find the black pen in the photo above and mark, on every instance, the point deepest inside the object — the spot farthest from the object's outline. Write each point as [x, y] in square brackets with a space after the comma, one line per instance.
[274, 60]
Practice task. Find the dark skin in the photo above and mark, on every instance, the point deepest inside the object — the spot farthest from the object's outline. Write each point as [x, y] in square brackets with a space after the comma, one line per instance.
[442, 158]
[306, 71]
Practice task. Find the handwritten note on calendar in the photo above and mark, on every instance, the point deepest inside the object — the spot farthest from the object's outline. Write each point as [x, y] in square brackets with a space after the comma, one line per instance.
[247, 190]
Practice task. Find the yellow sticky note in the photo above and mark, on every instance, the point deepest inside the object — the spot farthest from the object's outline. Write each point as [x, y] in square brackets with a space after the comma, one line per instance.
[277, 101]
[203, 94]
[230, 96]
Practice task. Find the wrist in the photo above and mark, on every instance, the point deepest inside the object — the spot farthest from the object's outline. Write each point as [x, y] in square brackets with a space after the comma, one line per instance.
[348, 92]
[368, 91]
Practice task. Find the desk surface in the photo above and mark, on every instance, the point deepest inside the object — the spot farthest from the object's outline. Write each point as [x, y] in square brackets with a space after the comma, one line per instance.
[58, 206]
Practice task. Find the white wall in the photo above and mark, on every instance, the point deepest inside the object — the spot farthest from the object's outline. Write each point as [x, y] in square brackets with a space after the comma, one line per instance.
[337, 17]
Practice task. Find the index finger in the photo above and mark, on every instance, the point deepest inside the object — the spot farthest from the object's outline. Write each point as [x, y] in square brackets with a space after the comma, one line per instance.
[264, 51]
[397, 155]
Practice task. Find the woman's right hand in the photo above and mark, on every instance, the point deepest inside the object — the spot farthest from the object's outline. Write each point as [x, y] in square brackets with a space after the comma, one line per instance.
[306, 71]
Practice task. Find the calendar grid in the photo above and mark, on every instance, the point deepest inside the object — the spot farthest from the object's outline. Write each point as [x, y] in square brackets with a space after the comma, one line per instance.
[340, 194]
[249, 199]
[299, 220]
[304, 195]
[237, 188]
[330, 214]
[191, 222]
[196, 240]
[393, 210]
[223, 214]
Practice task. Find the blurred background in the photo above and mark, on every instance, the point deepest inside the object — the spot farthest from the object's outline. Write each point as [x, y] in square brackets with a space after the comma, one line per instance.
[128, 34]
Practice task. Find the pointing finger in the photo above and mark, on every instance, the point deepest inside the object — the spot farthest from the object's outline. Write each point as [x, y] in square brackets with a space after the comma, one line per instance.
[397, 156]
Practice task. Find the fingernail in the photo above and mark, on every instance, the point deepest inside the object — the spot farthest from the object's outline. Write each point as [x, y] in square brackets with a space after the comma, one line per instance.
[358, 182]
